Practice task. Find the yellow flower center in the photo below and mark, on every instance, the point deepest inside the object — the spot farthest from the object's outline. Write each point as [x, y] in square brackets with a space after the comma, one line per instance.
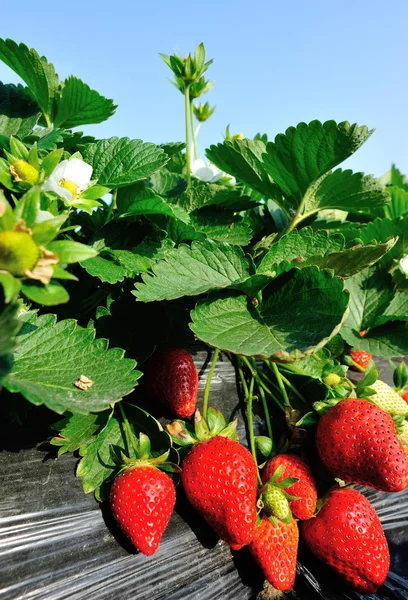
[70, 186]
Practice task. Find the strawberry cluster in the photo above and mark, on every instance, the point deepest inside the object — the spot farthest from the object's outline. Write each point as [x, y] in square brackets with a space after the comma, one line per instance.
[357, 440]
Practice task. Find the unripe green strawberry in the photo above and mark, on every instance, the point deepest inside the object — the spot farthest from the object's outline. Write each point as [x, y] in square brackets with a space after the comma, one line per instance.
[23, 171]
[388, 399]
[275, 503]
[332, 379]
[18, 252]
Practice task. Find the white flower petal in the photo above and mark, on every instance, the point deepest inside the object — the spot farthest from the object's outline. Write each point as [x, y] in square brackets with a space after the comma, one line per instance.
[205, 174]
[43, 215]
[195, 165]
[404, 264]
[79, 172]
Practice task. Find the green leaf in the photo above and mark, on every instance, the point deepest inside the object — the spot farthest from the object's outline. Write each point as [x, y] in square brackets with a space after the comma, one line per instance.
[18, 113]
[301, 155]
[176, 230]
[7, 219]
[47, 230]
[71, 252]
[370, 294]
[222, 225]
[94, 192]
[49, 294]
[202, 195]
[79, 105]
[118, 162]
[120, 257]
[68, 352]
[50, 138]
[35, 71]
[388, 341]
[76, 430]
[244, 160]
[345, 190]
[381, 230]
[299, 313]
[399, 203]
[189, 271]
[301, 244]
[132, 201]
[9, 327]
[28, 206]
[50, 161]
[11, 286]
[167, 184]
[100, 464]
[353, 260]
[397, 310]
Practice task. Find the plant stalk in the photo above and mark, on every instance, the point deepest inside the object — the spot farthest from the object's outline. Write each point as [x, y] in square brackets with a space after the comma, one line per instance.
[112, 206]
[248, 402]
[193, 133]
[280, 384]
[129, 433]
[187, 120]
[208, 382]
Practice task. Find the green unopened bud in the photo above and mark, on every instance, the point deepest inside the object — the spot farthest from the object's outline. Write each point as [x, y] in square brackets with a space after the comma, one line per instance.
[21, 170]
[332, 379]
[18, 252]
[275, 503]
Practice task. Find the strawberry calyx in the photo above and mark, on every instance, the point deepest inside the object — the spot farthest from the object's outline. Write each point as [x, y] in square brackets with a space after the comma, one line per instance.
[274, 499]
[144, 458]
[183, 434]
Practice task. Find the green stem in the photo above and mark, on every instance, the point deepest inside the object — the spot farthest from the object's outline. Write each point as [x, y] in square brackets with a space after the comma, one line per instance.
[292, 387]
[280, 384]
[242, 376]
[129, 433]
[248, 402]
[260, 383]
[47, 121]
[298, 217]
[193, 130]
[267, 415]
[112, 206]
[187, 119]
[208, 382]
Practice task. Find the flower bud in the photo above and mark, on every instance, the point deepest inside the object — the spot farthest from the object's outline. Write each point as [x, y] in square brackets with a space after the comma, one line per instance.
[21, 170]
[18, 252]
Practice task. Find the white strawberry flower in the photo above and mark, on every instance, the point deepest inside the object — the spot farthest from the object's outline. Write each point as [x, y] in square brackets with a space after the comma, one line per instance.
[403, 263]
[69, 179]
[208, 172]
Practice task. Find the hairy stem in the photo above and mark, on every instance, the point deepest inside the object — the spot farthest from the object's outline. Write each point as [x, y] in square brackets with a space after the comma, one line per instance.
[128, 430]
[248, 402]
[112, 206]
[208, 382]
[193, 133]
[280, 384]
[187, 120]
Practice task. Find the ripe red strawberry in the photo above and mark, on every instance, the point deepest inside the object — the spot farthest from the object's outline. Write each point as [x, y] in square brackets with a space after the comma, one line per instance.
[361, 358]
[219, 478]
[171, 378]
[347, 535]
[357, 441]
[142, 499]
[404, 396]
[304, 488]
[274, 548]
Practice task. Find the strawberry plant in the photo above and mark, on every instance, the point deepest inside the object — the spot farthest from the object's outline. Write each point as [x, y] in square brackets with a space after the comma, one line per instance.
[117, 254]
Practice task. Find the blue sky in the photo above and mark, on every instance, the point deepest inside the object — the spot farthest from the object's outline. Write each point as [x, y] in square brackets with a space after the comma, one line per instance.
[275, 64]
